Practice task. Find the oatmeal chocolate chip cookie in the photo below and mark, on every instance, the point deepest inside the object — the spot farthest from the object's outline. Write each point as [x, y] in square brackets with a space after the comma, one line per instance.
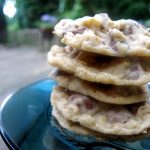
[100, 68]
[106, 93]
[99, 34]
[102, 117]
[81, 130]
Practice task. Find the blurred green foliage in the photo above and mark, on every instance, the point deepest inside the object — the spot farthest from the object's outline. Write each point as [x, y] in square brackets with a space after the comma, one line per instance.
[3, 24]
[12, 24]
[43, 25]
[29, 12]
[135, 9]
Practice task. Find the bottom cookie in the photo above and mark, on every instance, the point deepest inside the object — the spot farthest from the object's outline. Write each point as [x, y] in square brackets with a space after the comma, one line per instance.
[64, 130]
[101, 117]
[90, 135]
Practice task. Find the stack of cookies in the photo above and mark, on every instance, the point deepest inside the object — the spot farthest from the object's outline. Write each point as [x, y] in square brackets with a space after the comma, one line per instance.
[102, 72]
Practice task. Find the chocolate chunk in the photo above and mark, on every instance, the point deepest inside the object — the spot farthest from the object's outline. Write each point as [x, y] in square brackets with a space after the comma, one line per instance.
[74, 29]
[118, 114]
[72, 52]
[79, 30]
[112, 43]
[76, 26]
[134, 69]
[88, 103]
[133, 76]
[81, 101]
[131, 27]
[129, 31]
[134, 72]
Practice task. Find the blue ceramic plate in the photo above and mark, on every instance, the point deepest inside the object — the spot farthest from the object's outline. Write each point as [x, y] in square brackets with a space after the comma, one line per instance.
[26, 123]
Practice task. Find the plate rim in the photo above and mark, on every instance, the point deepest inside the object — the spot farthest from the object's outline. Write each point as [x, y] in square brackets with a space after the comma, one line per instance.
[5, 136]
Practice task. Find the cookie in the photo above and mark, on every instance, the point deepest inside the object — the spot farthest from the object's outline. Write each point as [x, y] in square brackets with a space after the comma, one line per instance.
[85, 132]
[102, 117]
[100, 34]
[100, 68]
[106, 93]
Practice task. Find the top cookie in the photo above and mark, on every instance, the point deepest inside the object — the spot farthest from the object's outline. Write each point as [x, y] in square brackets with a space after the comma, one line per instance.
[99, 34]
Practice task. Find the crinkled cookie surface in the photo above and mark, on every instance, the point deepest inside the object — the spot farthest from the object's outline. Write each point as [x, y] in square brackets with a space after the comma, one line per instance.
[80, 130]
[100, 34]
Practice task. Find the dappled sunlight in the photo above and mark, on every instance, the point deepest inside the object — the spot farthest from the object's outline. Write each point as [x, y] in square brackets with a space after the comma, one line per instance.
[9, 8]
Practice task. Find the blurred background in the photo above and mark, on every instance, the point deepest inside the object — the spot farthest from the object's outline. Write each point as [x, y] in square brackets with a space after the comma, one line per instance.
[26, 33]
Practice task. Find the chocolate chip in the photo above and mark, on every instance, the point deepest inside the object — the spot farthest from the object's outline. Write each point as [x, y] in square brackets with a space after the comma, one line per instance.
[71, 52]
[131, 27]
[76, 26]
[118, 114]
[133, 76]
[88, 104]
[112, 43]
[134, 68]
[134, 72]
[81, 101]
[78, 31]
[129, 31]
